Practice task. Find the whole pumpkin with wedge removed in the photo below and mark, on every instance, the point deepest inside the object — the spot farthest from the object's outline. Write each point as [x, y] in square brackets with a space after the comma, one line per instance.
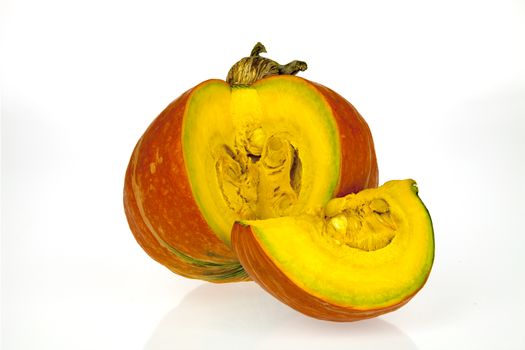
[263, 144]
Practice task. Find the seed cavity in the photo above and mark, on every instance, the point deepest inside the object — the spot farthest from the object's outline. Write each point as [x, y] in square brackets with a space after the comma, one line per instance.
[276, 153]
[339, 223]
[367, 225]
[335, 206]
[260, 176]
[379, 205]
[255, 142]
[296, 172]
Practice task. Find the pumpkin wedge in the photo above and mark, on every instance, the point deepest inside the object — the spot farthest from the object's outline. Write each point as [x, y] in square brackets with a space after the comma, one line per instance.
[364, 255]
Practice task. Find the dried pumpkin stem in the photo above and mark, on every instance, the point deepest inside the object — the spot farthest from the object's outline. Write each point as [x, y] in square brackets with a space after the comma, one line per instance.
[258, 49]
[255, 67]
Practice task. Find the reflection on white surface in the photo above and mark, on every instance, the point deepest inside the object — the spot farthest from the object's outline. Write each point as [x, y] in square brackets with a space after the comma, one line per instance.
[243, 316]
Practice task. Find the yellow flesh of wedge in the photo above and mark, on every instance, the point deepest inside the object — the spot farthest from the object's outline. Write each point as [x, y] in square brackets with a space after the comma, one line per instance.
[344, 274]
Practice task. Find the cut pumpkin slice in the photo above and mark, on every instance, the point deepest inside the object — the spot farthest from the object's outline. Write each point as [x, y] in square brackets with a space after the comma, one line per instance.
[364, 255]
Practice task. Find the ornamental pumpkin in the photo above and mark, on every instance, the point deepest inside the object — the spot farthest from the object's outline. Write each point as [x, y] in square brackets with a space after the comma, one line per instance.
[263, 144]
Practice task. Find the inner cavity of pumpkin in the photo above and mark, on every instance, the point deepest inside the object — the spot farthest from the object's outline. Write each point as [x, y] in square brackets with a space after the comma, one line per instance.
[364, 224]
[260, 175]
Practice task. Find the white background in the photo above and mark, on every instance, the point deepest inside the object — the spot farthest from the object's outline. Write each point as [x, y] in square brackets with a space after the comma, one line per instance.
[441, 84]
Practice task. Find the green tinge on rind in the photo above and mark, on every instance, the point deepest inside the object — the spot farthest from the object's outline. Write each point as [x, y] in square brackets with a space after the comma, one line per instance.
[430, 261]
[212, 271]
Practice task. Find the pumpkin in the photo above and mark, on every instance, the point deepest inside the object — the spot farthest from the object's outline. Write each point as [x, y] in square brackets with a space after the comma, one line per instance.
[364, 255]
[262, 144]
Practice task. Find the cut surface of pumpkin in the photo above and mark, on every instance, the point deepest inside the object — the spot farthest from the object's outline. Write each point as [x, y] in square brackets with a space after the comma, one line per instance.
[363, 255]
[259, 152]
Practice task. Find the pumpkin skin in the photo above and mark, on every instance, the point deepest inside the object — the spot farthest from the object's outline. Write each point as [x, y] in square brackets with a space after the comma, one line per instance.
[315, 271]
[160, 194]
